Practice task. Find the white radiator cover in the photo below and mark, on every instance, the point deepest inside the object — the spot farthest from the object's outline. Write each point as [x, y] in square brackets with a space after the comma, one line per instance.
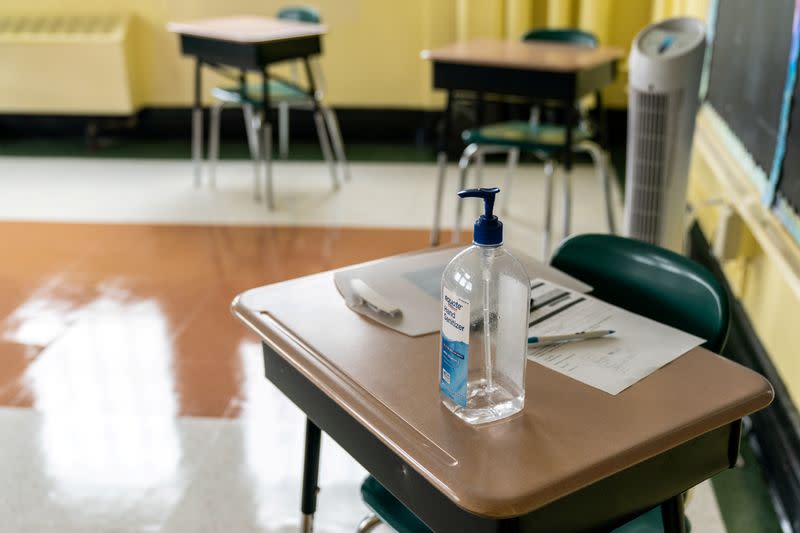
[664, 83]
[62, 65]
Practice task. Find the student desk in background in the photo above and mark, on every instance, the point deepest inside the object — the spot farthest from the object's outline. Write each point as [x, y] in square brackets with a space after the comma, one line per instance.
[247, 44]
[576, 458]
[540, 71]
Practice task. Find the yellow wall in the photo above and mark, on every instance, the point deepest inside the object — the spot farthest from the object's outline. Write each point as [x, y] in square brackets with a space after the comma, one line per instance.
[371, 55]
[764, 270]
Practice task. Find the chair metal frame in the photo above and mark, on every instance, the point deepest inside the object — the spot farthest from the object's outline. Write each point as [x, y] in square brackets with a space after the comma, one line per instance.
[325, 121]
[605, 172]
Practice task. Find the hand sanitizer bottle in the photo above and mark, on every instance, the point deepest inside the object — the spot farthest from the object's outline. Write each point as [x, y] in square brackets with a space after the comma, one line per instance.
[485, 306]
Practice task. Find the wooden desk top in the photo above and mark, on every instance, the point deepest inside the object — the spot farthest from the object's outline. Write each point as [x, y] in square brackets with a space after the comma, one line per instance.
[247, 29]
[569, 435]
[555, 57]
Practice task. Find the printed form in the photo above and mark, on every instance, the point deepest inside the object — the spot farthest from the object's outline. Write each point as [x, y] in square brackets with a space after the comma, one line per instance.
[638, 347]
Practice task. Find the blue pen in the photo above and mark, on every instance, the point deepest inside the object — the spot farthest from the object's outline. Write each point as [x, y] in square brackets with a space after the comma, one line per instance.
[579, 336]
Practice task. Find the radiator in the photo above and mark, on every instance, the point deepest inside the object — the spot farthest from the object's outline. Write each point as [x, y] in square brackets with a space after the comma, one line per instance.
[65, 65]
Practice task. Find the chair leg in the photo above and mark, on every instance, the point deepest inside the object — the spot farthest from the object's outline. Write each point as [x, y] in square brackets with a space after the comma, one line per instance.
[338, 144]
[283, 129]
[605, 172]
[370, 522]
[213, 143]
[197, 144]
[325, 145]
[441, 162]
[566, 201]
[463, 165]
[479, 160]
[251, 128]
[267, 149]
[608, 175]
[511, 167]
[549, 172]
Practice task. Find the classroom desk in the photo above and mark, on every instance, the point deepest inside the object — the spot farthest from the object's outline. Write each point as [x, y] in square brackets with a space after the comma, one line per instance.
[246, 43]
[537, 70]
[575, 459]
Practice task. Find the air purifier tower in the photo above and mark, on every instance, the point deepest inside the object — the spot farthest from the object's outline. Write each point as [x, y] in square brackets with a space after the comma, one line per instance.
[666, 62]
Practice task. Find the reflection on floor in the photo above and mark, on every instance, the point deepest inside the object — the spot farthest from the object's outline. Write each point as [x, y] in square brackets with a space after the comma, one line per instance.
[146, 403]
[131, 400]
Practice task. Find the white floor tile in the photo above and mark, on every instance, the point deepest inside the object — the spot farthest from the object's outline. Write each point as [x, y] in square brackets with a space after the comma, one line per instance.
[703, 511]
[252, 478]
[40, 492]
[380, 194]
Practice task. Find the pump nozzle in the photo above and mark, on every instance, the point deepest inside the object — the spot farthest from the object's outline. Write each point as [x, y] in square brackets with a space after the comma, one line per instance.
[488, 228]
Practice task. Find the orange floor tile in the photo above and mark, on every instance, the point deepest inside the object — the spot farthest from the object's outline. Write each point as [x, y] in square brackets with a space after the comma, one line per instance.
[86, 307]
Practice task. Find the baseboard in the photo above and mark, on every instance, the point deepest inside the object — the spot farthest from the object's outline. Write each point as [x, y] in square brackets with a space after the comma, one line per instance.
[361, 125]
[775, 431]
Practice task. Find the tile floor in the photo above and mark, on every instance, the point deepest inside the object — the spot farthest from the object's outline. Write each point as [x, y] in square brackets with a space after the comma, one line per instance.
[130, 400]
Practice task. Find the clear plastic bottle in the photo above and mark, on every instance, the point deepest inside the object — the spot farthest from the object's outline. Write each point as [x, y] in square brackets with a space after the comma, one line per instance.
[485, 306]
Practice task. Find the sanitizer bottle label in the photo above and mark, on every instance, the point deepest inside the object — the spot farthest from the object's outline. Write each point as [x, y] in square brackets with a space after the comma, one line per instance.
[455, 347]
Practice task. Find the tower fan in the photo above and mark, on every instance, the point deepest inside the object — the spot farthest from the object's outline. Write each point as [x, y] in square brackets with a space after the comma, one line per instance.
[664, 70]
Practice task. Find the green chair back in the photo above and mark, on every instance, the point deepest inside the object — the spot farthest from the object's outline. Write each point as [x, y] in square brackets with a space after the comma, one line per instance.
[562, 35]
[300, 14]
[650, 281]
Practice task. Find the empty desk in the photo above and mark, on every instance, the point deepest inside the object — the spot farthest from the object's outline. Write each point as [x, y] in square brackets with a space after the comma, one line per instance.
[246, 44]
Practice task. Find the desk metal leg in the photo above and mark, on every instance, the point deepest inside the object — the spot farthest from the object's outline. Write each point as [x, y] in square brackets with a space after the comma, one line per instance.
[672, 515]
[308, 503]
[567, 186]
[197, 124]
[549, 172]
[602, 121]
[441, 163]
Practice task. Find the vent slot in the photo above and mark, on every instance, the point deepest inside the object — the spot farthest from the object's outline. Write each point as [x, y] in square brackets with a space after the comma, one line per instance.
[61, 28]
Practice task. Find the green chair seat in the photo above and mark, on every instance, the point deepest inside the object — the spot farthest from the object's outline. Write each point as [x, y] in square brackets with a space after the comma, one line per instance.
[300, 14]
[397, 515]
[650, 522]
[279, 91]
[562, 35]
[389, 508]
[520, 134]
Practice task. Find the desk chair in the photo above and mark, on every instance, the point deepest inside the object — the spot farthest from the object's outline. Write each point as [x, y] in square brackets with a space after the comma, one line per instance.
[285, 95]
[643, 279]
[543, 140]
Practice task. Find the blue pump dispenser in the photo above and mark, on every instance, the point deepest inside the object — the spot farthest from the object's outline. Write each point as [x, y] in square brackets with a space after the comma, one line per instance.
[488, 230]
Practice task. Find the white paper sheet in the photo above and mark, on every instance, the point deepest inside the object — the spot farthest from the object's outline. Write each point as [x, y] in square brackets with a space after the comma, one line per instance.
[638, 347]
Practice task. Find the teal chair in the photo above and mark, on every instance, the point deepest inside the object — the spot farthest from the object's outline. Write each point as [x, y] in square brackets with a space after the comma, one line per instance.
[284, 95]
[650, 281]
[641, 278]
[543, 140]
[656, 283]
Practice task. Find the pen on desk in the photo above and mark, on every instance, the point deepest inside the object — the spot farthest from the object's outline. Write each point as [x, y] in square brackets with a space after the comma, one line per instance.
[579, 336]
